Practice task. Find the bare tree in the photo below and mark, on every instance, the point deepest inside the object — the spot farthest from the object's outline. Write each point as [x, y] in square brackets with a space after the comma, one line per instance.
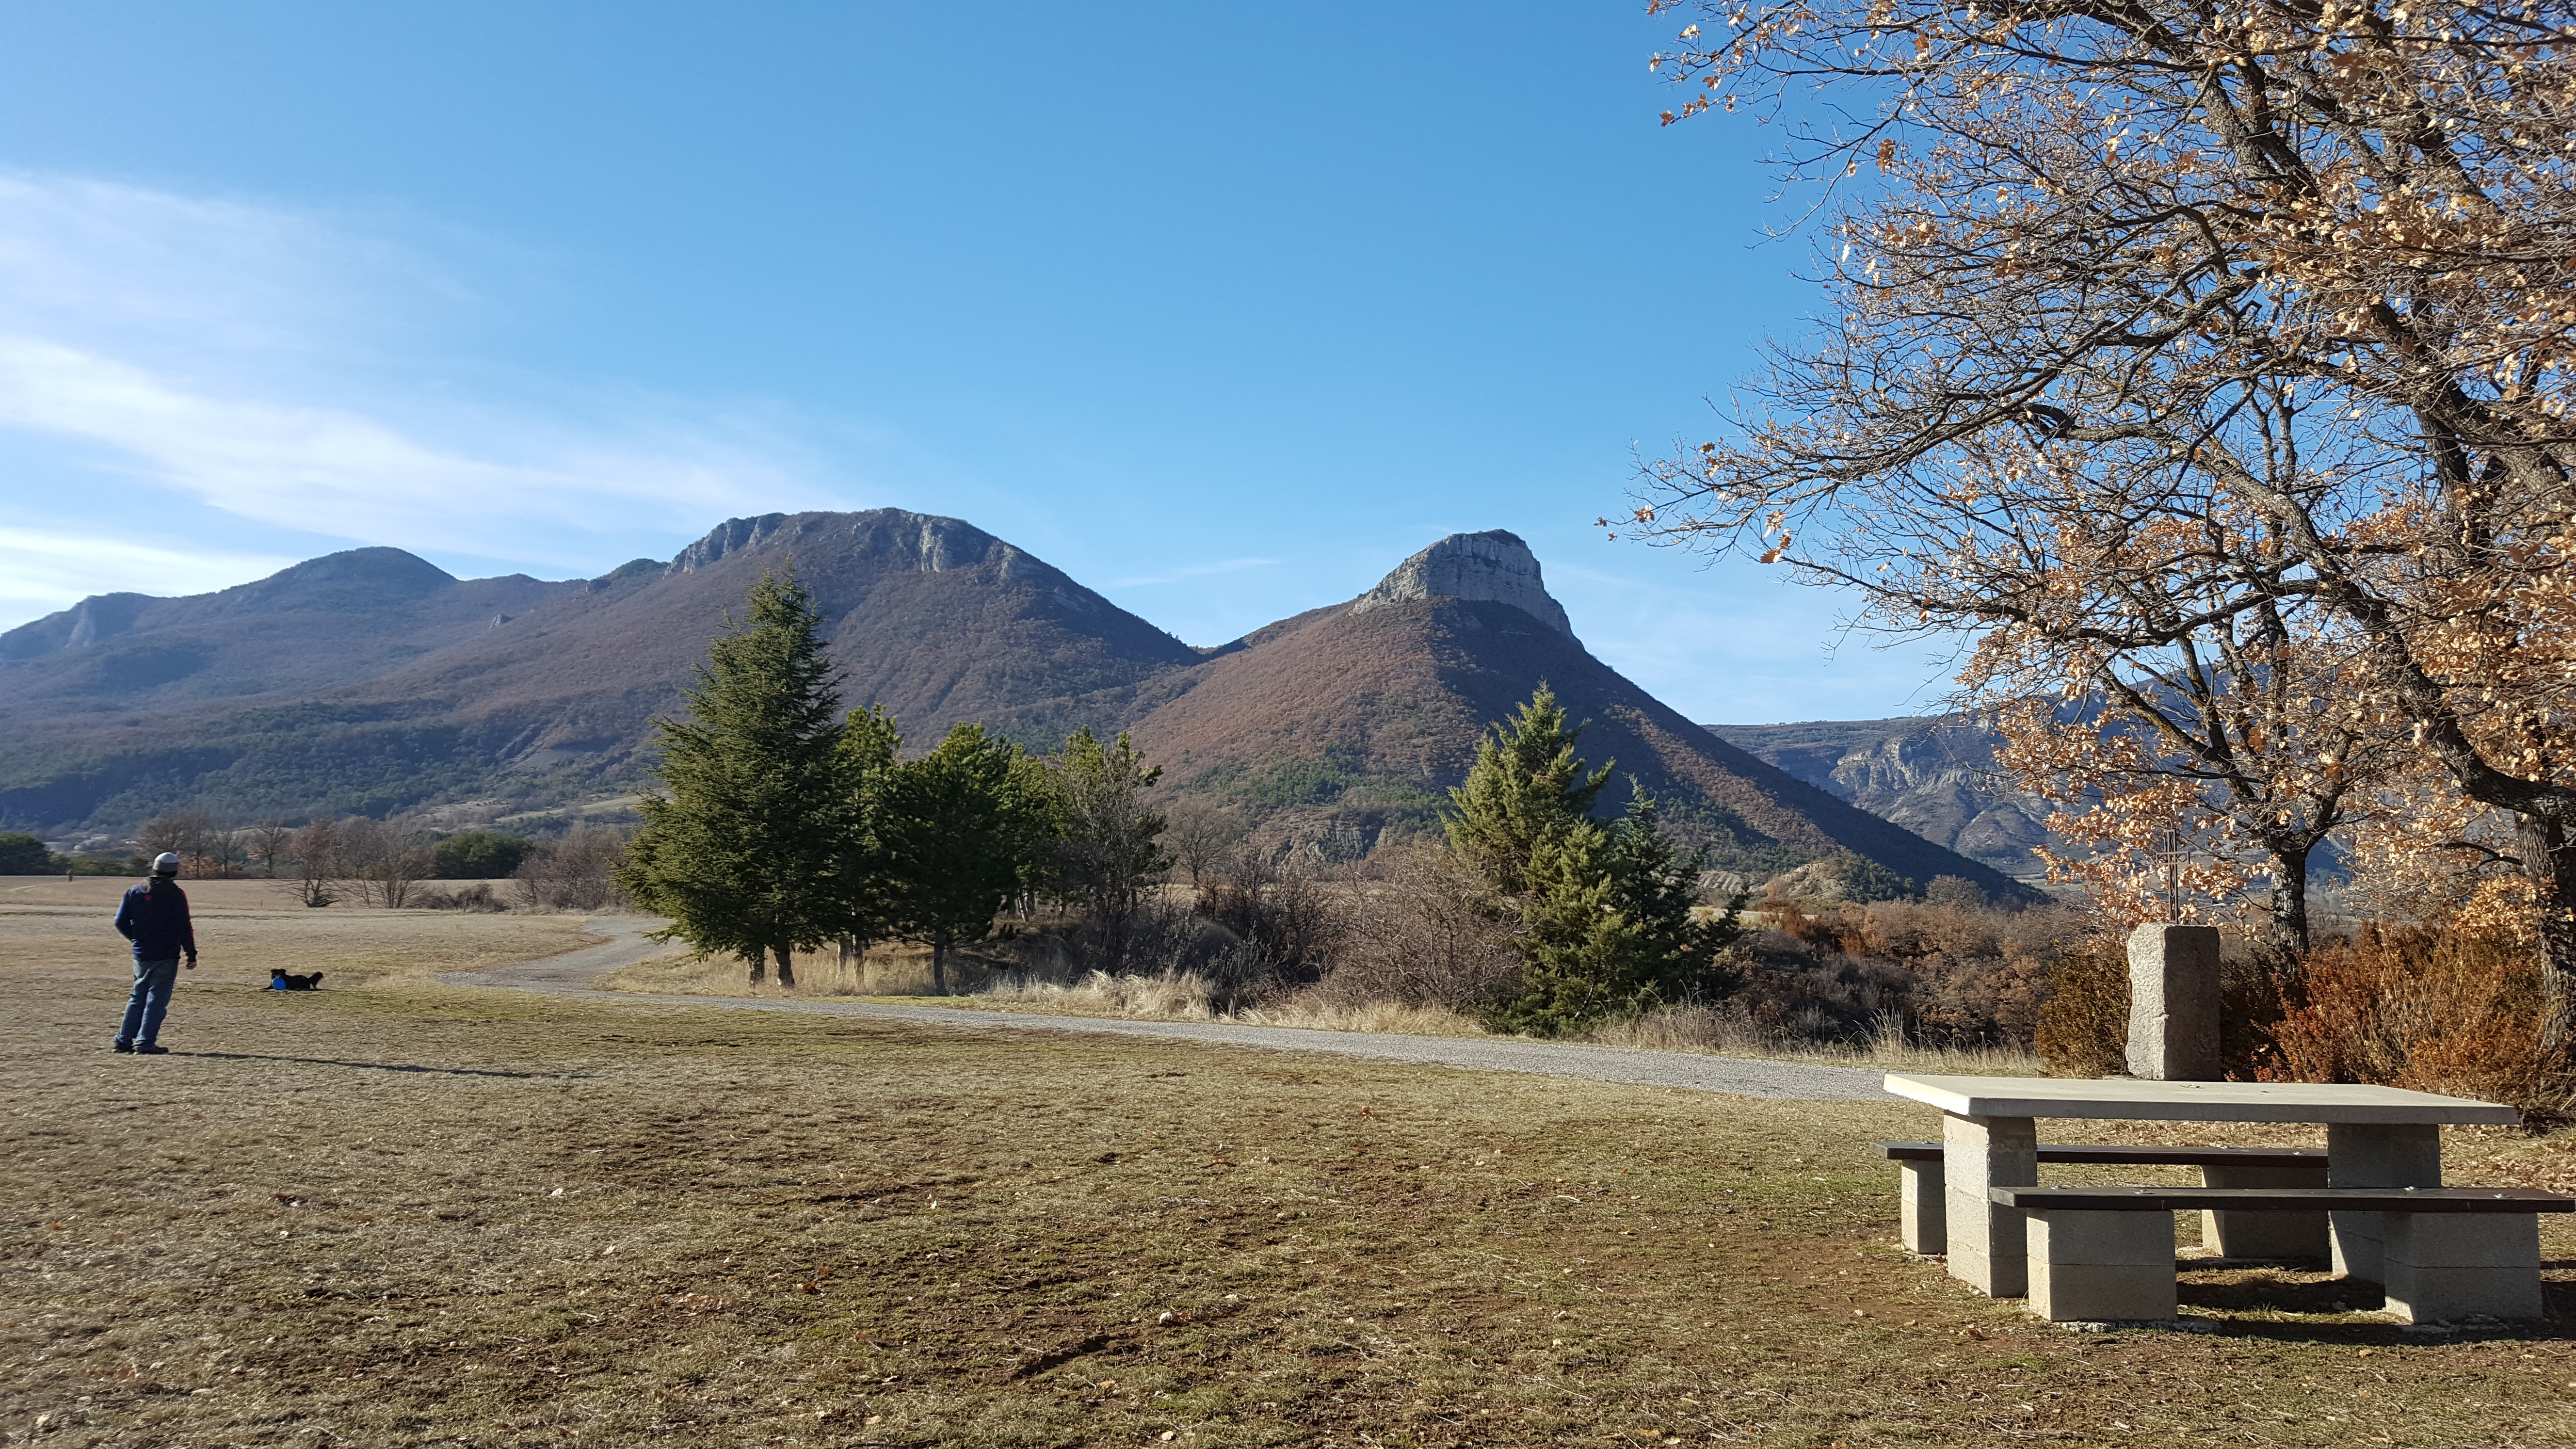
[192, 835]
[2256, 310]
[268, 840]
[320, 862]
[1201, 835]
[382, 862]
[575, 872]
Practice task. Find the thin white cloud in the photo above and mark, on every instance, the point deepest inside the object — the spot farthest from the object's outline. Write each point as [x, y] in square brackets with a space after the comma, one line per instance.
[42, 571]
[1192, 571]
[338, 471]
[263, 363]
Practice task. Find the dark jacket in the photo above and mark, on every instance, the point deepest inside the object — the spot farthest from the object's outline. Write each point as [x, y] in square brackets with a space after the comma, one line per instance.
[155, 918]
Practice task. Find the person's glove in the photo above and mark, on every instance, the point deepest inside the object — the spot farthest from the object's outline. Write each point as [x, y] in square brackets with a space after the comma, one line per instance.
[192, 963]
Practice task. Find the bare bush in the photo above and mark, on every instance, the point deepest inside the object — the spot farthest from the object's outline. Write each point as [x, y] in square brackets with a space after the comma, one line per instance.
[1287, 922]
[476, 896]
[1423, 934]
[1949, 976]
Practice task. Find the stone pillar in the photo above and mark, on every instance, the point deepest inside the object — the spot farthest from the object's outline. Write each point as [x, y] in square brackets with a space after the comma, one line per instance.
[2376, 1154]
[1922, 1188]
[2267, 1235]
[1988, 1247]
[2173, 1003]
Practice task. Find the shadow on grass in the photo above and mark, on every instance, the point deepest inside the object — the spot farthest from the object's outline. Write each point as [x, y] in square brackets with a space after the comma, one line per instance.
[2249, 1297]
[374, 1066]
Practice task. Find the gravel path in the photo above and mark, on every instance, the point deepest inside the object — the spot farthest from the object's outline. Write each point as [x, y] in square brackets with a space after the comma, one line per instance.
[572, 973]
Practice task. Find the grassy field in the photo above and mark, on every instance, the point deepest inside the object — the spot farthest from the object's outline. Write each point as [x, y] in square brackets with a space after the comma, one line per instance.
[398, 1213]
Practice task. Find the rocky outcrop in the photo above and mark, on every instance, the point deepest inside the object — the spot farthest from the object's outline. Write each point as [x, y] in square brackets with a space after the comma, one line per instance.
[1493, 566]
[1936, 777]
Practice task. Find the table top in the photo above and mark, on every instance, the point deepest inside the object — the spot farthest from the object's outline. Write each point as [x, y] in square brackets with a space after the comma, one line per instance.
[2125, 1099]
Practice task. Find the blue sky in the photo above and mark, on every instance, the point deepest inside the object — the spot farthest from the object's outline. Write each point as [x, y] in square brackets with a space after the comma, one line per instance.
[1222, 309]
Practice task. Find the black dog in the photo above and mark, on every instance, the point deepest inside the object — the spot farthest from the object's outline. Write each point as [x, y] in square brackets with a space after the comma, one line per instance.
[278, 980]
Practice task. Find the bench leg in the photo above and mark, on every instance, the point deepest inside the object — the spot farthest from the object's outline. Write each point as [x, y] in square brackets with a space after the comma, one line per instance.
[2445, 1266]
[1986, 1241]
[2101, 1266]
[2265, 1235]
[2376, 1155]
[1926, 1223]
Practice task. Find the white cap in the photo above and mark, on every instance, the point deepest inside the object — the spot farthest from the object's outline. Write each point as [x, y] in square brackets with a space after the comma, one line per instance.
[166, 863]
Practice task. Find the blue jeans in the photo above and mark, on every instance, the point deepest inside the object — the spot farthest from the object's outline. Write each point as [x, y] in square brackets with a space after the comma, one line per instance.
[150, 1002]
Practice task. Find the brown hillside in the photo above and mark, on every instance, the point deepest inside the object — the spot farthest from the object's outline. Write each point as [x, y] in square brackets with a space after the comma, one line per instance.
[931, 617]
[373, 682]
[1347, 710]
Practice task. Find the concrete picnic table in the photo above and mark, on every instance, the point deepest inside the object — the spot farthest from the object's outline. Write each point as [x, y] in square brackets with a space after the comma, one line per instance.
[2375, 1137]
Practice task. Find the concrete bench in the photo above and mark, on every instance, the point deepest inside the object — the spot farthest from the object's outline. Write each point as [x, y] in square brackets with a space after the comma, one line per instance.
[2107, 1253]
[2270, 1235]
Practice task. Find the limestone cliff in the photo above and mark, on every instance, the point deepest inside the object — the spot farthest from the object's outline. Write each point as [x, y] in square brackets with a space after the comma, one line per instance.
[1490, 567]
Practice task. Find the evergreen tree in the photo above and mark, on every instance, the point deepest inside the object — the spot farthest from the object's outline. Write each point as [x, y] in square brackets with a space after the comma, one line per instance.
[1107, 848]
[479, 855]
[24, 854]
[744, 848]
[862, 892]
[1527, 783]
[955, 838]
[1609, 928]
[1037, 812]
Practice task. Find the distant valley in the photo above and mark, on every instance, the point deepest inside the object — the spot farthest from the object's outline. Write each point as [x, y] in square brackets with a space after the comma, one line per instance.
[372, 682]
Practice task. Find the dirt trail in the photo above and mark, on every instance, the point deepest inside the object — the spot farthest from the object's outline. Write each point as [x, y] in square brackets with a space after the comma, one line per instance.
[572, 973]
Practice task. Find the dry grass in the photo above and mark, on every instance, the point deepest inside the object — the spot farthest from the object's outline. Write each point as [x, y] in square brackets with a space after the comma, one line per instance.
[245, 927]
[1719, 1032]
[894, 972]
[891, 973]
[404, 1215]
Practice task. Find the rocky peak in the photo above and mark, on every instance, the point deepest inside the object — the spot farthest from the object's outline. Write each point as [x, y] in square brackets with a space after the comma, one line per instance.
[922, 541]
[1494, 566]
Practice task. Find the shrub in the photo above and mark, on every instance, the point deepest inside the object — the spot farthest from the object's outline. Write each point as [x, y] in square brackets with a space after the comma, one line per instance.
[2432, 1008]
[476, 897]
[479, 855]
[1286, 925]
[1424, 934]
[2084, 1027]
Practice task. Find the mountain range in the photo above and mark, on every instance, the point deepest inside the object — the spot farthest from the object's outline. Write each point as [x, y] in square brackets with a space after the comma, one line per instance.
[373, 682]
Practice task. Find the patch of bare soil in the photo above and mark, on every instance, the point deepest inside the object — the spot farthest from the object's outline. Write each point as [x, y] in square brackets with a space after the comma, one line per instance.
[402, 1214]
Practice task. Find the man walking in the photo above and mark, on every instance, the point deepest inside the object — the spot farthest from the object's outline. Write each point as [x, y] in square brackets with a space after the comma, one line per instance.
[155, 918]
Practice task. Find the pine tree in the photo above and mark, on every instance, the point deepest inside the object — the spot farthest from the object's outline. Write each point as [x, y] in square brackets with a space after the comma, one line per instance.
[1526, 783]
[1609, 928]
[1108, 847]
[744, 848]
[955, 835]
[870, 741]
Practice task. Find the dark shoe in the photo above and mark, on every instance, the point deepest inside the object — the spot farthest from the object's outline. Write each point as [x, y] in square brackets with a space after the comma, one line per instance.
[125, 1048]
[147, 1049]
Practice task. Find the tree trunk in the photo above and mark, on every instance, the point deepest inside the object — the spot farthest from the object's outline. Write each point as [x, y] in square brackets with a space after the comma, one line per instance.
[759, 965]
[2290, 897]
[2550, 863]
[939, 963]
[786, 968]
